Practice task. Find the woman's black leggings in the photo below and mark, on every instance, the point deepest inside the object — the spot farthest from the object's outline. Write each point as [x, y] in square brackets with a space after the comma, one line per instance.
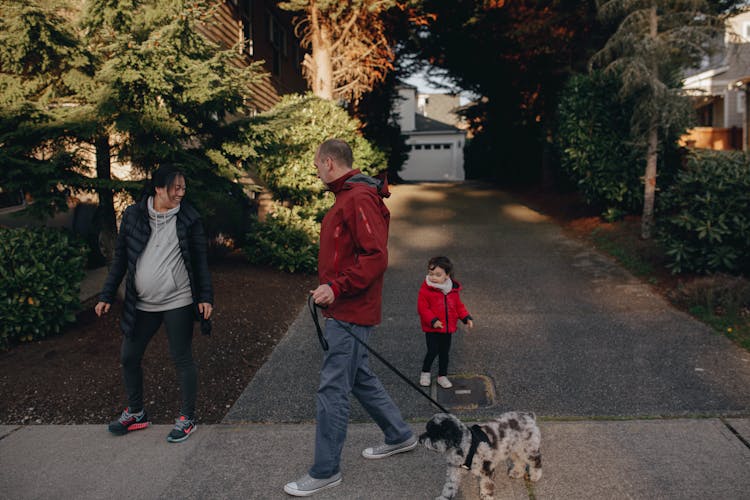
[437, 344]
[179, 326]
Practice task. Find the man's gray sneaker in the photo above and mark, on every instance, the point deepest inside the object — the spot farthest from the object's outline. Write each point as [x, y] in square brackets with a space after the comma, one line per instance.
[306, 485]
[386, 450]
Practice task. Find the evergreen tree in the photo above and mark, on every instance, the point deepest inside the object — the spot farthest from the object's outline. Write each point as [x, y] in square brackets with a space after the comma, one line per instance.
[152, 88]
[42, 68]
[653, 42]
[517, 56]
[165, 92]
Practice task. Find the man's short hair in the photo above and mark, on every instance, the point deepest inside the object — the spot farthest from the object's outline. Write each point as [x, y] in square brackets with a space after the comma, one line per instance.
[338, 150]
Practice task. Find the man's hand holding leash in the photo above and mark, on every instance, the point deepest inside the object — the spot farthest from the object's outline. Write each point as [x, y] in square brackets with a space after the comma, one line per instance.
[323, 295]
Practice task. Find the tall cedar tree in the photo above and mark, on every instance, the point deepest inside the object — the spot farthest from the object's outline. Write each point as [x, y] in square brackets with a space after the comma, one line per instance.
[155, 89]
[653, 42]
[42, 69]
[517, 56]
[375, 108]
[350, 49]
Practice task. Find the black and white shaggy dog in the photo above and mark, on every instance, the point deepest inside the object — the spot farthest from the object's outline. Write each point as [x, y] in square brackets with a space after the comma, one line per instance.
[482, 448]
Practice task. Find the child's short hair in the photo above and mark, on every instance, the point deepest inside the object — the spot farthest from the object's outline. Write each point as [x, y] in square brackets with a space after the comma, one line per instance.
[442, 262]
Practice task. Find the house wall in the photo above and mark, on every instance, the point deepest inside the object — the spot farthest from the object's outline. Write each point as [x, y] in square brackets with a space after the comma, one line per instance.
[738, 28]
[435, 157]
[406, 107]
[270, 33]
[725, 70]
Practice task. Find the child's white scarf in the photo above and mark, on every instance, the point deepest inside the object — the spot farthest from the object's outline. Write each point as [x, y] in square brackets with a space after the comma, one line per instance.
[445, 287]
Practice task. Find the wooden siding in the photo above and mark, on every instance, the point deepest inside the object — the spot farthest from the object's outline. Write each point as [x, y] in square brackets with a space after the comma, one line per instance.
[227, 30]
[713, 138]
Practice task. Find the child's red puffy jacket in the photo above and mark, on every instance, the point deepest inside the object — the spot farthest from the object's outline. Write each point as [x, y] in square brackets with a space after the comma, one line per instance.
[434, 305]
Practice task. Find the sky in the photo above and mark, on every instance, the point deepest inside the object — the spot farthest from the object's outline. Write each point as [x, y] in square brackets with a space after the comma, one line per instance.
[424, 87]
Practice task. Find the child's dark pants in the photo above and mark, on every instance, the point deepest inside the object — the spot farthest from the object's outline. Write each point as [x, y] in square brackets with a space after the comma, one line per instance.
[438, 344]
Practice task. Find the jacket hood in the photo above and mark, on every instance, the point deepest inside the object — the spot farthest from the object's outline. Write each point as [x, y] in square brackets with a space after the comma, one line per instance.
[354, 177]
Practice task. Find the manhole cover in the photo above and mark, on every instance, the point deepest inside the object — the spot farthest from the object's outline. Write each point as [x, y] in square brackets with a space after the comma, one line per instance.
[468, 392]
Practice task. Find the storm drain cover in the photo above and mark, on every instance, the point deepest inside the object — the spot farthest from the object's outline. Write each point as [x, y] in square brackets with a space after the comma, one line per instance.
[468, 392]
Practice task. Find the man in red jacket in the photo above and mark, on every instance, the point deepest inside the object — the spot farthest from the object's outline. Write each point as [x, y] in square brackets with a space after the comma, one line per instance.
[352, 260]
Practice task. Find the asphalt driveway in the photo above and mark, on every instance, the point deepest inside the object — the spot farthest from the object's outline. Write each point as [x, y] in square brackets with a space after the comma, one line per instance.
[560, 329]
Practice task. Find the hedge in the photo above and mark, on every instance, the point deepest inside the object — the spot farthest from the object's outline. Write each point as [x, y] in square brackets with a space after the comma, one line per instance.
[41, 270]
[705, 214]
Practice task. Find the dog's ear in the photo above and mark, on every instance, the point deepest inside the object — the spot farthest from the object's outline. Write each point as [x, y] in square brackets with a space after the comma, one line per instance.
[452, 433]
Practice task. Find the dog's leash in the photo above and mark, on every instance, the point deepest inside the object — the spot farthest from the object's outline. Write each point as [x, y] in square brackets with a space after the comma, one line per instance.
[311, 305]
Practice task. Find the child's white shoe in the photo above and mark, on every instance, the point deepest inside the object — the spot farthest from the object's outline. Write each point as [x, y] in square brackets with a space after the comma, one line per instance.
[424, 379]
[444, 382]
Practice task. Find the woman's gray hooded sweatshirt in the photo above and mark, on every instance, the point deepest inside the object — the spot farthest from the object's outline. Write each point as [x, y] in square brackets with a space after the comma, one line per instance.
[161, 278]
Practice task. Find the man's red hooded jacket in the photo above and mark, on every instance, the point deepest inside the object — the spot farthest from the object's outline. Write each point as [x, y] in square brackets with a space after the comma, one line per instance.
[353, 253]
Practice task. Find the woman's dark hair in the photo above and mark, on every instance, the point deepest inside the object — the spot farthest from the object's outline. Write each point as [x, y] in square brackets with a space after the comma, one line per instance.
[164, 176]
[442, 262]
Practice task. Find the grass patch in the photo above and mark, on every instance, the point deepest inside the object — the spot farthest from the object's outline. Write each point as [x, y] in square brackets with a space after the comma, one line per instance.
[735, 327]
[627, 255]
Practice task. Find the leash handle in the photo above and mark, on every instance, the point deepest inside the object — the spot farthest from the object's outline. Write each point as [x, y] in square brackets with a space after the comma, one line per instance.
[311, 305]
[324, 344]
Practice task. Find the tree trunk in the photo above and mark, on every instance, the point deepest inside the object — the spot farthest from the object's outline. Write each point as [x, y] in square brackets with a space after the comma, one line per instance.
[322, 70]
[746, 125]
[649, 190]
[105, 223]
[649, 180]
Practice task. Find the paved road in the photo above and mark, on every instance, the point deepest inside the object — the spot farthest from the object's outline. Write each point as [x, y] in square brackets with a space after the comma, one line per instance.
[635, 399]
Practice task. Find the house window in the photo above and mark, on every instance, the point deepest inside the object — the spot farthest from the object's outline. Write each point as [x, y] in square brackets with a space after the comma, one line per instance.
[278, 37]
[417, 147]
[246, 28]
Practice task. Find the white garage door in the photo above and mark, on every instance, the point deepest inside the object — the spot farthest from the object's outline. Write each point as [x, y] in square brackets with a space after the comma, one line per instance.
[430, 162]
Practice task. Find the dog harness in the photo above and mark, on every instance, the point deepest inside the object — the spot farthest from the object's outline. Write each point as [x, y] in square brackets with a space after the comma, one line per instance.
[477, 436]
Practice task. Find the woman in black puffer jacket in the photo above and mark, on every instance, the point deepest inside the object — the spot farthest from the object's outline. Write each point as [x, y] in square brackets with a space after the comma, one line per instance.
[161, 252]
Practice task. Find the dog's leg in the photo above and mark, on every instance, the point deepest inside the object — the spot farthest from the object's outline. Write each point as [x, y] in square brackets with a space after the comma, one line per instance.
[453, 477]
[519, 466]
[534, 461]
[487, 481]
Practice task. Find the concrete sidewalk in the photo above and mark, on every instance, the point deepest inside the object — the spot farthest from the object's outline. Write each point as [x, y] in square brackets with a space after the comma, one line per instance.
[675, 459]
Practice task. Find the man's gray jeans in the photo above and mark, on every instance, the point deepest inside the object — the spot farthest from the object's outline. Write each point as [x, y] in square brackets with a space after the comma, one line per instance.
[346, 370]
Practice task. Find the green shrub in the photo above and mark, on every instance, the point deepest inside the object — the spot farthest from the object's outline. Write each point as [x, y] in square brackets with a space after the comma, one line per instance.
[286, 240]
[286, 139]
[288, 136]
[705, 215]
[596, 149]
[41, 271]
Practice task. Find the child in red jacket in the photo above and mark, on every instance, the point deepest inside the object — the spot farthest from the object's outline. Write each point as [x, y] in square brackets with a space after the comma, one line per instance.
[440, 308]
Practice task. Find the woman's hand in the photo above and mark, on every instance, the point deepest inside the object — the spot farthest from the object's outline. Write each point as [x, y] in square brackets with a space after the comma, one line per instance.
[205, 308]
[101, 308]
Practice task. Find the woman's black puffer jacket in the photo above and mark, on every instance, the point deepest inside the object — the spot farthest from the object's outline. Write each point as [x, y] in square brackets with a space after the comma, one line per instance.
[135, 231]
